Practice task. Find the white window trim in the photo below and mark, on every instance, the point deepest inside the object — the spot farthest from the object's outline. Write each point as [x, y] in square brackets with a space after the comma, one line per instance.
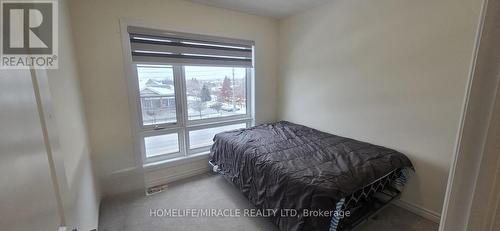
[139, 131]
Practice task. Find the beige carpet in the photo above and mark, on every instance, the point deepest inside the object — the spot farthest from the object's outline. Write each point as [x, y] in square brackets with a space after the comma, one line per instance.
[131, 212]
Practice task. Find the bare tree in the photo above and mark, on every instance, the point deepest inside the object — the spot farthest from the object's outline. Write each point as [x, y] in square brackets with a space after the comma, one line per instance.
[217, 106]
[198, 106]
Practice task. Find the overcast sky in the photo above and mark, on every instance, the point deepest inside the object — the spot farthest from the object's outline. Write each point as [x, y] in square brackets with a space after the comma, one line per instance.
[200, 72]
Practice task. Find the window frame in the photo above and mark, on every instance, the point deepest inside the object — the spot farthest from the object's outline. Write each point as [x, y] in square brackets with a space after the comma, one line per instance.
[180, 135]
[247, 115]
[198, 150]
[183, 125]
[177, 85]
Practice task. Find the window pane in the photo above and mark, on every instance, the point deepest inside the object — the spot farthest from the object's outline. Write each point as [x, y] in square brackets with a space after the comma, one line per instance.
[161, 145]
[204, 137]
[156, 85]
[215, 91]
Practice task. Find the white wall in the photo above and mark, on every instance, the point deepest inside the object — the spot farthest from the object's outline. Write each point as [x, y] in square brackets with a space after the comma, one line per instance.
[389, 72]
[98, 42]
[84, 196]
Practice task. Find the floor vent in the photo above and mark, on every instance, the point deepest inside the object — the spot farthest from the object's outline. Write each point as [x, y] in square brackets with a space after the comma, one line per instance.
[156, 189]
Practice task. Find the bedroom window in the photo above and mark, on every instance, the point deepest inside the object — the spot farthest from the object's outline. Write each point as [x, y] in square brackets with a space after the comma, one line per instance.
[215, 92]
[184, 89]
[156, 92]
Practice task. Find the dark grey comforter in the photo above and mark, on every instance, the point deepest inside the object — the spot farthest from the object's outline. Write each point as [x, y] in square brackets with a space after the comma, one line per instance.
[288, 166]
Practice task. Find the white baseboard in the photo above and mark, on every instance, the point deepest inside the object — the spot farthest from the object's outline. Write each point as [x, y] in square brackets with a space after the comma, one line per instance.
[425, 213]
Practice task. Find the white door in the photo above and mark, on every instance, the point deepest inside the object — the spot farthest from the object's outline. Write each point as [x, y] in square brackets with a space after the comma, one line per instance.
[27, 197]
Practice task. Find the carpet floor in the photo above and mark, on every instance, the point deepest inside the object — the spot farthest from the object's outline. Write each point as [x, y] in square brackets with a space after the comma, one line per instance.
[136, 212]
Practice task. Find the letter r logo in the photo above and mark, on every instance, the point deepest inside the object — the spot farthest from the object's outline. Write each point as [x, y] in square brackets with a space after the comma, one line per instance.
[27, 28]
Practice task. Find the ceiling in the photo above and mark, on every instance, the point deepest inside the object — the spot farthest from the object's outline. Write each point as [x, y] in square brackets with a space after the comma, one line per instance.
[271, 8]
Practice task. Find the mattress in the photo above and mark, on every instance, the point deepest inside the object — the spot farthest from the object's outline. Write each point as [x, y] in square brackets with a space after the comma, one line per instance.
[285, 166]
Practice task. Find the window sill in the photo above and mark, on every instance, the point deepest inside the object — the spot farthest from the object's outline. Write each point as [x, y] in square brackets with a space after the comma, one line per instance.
[176, 161]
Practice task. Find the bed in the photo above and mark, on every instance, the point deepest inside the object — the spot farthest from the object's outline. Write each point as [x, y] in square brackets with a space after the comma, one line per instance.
[284, 166]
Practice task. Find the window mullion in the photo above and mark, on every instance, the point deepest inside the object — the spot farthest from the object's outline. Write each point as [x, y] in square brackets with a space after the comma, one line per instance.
[178, 96]
[182, 105]
[248, 92]
[179, 102]
[185, 110]
[184, 96]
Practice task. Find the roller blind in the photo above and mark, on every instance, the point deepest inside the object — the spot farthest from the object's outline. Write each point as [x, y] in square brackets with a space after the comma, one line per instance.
[159, 46]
